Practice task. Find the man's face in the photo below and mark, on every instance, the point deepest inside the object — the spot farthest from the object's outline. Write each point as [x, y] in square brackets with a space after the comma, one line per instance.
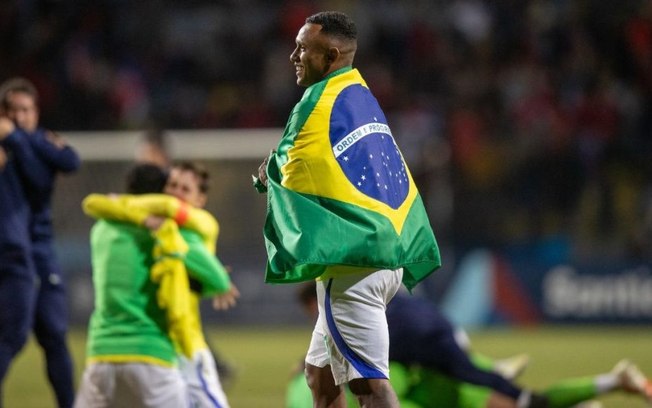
[184, 185]
[310, 57]
[23, 110]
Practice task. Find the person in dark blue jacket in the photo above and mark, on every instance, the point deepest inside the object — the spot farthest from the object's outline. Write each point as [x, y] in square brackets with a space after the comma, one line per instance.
[50, 155]
[17, 272]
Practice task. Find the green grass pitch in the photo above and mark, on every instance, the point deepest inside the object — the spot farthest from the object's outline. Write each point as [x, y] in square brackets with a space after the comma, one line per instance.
[264, 356]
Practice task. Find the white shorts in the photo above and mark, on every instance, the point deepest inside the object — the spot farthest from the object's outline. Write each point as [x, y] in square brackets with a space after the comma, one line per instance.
[203, 381]
[351, 331]
[131, 385]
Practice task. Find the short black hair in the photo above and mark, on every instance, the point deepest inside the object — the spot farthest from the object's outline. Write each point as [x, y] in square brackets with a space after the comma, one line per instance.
[146, 178]
[335, 23]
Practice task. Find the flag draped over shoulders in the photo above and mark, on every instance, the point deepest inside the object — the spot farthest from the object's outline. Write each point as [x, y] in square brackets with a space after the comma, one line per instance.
[340, 197]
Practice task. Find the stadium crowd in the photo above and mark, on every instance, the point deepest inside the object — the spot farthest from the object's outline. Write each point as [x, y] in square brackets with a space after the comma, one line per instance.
[532, 117]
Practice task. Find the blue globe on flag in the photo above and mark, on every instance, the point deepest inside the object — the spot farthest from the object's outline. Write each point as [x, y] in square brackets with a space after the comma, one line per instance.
[365, 149]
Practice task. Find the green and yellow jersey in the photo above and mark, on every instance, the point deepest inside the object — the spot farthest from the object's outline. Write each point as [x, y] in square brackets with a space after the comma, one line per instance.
[200, 231]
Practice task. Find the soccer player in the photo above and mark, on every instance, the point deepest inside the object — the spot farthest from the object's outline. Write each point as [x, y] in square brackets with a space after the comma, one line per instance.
[189, 183]
[51, 156]
[430, 388]
[422, 336]
[131, 360]
[186, 187]
[343, 208]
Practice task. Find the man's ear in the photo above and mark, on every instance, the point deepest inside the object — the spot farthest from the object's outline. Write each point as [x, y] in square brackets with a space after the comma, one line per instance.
[333, 54]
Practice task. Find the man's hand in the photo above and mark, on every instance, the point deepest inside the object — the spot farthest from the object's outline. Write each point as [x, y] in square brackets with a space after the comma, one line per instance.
[260, 182]
[226, 300]
[3, 158]
[153, 222]
[55, 138]
[6, 127]
[262, 172]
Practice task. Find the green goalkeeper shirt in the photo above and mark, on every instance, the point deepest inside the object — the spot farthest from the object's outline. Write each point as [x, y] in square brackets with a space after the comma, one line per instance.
[126, 325]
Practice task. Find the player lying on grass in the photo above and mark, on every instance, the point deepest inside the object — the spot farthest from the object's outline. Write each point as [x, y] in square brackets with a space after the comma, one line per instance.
[431, 365]
[426, 388]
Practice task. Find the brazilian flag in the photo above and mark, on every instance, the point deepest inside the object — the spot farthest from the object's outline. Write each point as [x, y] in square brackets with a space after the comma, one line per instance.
[340, 197]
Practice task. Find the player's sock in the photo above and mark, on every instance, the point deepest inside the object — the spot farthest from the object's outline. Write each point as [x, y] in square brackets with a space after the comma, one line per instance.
[481, 361]
[589, 404]
[512, 367]
[567, 393]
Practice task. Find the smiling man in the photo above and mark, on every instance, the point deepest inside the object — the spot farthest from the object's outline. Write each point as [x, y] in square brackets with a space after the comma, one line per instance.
[343, 209]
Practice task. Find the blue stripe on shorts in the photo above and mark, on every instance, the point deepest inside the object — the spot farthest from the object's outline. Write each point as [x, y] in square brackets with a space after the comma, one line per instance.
[363, 367]
[204, 386]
